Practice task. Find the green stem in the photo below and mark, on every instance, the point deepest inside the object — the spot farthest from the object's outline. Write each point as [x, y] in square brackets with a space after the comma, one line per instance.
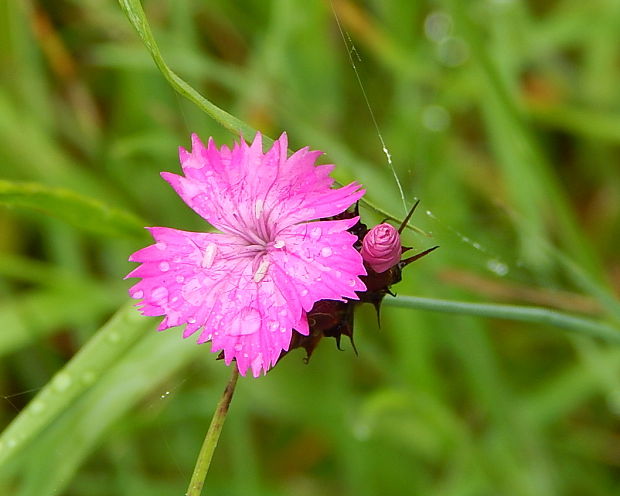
[538, 315]
[213, 434]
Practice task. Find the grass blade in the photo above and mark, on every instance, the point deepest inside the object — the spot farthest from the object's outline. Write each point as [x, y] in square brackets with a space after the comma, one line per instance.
[73, 208]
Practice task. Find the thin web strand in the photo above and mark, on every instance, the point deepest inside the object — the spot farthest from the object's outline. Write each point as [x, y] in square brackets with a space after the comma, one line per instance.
[348, 43]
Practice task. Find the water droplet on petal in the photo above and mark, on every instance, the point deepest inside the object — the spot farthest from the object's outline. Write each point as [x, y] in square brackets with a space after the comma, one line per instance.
[304, 292]
[326, 251]
[164, 266]
[278, 244]
[262, 269]
[179, 279]
[238, 347]
[352, 283]
[273, 326]
[191, 320]
[315, 233]
[159, 294]
[209, 256]
[161, 246]
[138, 294]
[247, 321]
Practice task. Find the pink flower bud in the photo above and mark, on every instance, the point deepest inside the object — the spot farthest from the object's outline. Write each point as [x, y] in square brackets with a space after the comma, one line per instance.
[381, 247]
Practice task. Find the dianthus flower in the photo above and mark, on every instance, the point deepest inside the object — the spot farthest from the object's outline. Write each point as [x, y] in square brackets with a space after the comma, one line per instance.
[248, 287]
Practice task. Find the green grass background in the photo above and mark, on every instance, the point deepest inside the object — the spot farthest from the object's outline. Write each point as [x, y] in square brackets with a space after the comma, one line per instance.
[502, 116]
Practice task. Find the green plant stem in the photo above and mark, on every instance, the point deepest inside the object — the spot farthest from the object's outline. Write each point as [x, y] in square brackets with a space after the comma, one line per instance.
[213, 434]
[538, 315]
[134, 12]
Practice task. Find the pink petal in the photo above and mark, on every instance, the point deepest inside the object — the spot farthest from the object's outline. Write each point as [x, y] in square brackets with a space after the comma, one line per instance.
[231, 189]
[319, 262]
[201, 280]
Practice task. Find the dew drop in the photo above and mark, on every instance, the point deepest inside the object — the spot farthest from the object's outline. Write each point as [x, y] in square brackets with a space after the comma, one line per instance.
[315, 233]
[238, 347]
[283, 312]
[179, 279]
[191, 320]
[326, 251]
[164, 266]
[304, 292]
[159, 294]
[352, 283]
[61, 382]
[247, 321]
[262, 269]
[138, 294]
[161, 246]
[273, 326]
[499, 268]
[279, 244]
[282, 330]
[245, 355]
[209, 256]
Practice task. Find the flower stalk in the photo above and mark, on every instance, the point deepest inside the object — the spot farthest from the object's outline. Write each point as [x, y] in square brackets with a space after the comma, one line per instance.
[213, 434]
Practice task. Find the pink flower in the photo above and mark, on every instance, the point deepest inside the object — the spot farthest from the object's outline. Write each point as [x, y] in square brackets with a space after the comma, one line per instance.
[249, 286]
[381, 247]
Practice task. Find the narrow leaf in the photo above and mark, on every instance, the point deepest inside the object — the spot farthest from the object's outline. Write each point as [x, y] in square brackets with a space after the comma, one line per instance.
[80, 374]
[73, 208]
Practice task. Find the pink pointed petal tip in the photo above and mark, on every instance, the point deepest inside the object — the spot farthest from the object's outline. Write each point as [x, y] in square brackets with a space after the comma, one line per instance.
[247, 288]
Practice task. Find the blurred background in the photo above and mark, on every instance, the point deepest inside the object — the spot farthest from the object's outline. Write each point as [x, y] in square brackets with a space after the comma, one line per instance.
[502, 116]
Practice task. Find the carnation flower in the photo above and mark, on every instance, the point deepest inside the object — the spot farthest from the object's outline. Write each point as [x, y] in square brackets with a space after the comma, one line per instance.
[249, 286]
[381, 248]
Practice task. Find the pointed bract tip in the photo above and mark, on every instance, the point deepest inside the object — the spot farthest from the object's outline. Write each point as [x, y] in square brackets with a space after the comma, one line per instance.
[407, 261]
[406, 221]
